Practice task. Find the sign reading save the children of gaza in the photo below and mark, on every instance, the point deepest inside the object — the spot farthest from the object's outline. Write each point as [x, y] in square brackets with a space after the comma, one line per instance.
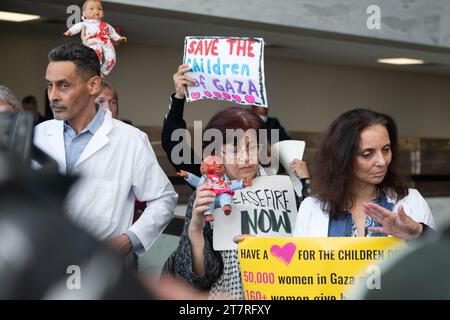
[230, 69]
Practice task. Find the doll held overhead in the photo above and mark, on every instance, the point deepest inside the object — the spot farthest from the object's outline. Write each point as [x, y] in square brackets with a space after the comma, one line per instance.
[97, 34]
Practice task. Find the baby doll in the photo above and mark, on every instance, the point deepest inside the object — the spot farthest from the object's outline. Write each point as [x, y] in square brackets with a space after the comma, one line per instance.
[98, 34]
[213, 174]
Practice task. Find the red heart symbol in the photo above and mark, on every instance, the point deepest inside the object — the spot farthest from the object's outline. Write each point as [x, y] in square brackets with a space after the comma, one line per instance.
[285, 253]
[250, 99]
[195, 95]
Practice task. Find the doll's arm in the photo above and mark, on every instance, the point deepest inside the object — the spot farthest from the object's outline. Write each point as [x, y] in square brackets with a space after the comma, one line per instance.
[239, 184]
[193, 180]
[114, 35]
[76, 28]
[235, 184]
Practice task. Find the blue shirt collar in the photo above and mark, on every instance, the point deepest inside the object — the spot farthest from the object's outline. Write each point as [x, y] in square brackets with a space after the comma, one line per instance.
[95, 123]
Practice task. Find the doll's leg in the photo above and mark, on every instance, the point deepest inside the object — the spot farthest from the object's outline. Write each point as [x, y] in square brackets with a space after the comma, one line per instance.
[110, 58]
[95, 44]
[209, 213]
[226, 201]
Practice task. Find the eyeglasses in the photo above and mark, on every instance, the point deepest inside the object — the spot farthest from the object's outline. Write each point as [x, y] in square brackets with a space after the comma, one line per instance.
[250, 149]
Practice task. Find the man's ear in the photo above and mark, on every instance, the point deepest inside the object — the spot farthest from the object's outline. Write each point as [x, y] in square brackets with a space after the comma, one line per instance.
[93, 85]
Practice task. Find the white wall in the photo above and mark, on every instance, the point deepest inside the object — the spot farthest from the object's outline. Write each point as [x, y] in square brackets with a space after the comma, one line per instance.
[304, 96]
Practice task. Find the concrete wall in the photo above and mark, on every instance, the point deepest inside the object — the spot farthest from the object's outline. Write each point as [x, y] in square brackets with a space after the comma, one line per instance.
[304, 96]
[416, 21]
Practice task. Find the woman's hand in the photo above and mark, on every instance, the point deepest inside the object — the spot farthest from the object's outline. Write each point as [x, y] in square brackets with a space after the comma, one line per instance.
[183, 174]
[398, 224]
[247, 182]
[180, 80]
[203, 198]
[240, 238]
[300, 168]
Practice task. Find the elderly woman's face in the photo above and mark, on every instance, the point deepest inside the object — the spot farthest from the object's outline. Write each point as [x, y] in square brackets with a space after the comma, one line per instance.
[106, 99]
[374, 155]
[5, 107]
[242, 160]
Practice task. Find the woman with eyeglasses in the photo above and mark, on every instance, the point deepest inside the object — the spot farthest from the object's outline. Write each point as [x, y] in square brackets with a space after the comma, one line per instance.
[195, 260]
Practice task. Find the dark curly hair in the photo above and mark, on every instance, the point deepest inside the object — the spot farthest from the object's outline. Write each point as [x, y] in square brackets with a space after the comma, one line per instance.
[334, 160]
[85, 58]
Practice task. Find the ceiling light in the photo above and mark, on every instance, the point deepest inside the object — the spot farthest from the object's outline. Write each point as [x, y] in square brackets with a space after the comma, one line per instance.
[401, 61]
[17, 17]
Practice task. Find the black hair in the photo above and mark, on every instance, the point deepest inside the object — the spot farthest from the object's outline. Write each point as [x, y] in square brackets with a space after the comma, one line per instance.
[85, 59]
[29, 100]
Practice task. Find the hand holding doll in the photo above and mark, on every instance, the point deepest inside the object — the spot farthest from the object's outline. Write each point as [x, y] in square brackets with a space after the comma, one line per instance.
[214, 178]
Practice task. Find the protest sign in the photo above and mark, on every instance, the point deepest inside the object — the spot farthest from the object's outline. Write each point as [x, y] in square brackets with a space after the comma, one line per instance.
[230, 69]
[267, 208]
[312, 268]
[285, 152]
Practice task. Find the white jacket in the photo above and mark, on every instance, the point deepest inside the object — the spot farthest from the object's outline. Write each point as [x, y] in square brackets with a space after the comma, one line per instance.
[313, 222]
[116, 166]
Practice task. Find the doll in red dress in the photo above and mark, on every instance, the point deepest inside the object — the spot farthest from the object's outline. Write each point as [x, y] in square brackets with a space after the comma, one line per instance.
[213, 170]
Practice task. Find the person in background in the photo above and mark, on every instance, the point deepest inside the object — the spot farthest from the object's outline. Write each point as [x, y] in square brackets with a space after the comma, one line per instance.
[8, 101]
[29, 103]
[108, 98]
[271, 123]
[356, 187]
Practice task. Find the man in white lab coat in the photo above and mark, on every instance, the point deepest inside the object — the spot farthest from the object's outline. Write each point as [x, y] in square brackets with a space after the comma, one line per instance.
[115, 161]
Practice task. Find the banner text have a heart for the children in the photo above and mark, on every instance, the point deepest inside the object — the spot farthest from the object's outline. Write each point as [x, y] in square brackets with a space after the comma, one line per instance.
[312, 268]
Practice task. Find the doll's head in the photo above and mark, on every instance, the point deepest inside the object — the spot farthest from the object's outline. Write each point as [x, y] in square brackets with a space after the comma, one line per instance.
[212, 165]
[92, 9]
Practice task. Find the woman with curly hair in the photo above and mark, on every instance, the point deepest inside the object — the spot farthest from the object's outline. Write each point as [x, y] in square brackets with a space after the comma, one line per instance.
[356, 187]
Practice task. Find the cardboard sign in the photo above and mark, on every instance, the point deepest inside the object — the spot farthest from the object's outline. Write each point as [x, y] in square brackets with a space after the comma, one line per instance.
[312, 268]
[230, 69]
[266, 209]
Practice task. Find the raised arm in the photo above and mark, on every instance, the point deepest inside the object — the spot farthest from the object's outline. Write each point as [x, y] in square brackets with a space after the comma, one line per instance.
[175, 139]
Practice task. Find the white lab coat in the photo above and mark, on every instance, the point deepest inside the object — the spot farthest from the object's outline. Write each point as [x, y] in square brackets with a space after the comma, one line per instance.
[313, 222]
[116, 166]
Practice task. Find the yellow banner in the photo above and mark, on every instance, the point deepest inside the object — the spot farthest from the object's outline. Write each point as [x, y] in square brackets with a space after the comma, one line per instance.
[312, 268]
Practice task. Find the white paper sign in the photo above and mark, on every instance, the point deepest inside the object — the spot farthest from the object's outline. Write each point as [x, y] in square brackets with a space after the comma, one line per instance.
[266, 209]
[285, 152]
[225, 68]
